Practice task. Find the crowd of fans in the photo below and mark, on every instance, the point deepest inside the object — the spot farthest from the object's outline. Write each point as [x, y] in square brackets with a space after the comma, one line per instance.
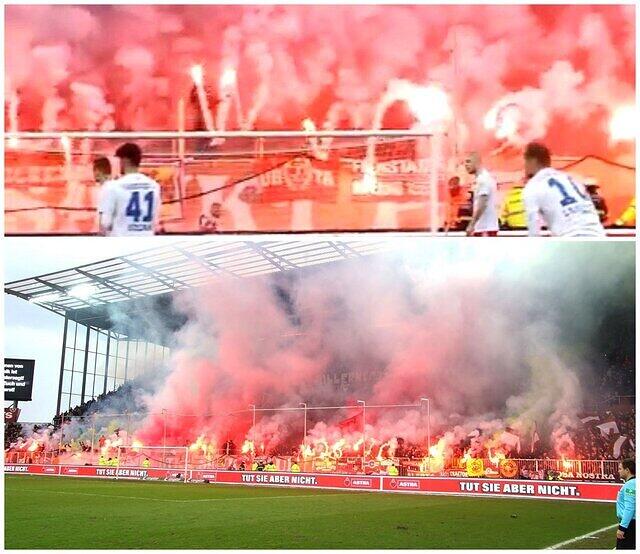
[124, 394]
[595, 439]
[592, 443]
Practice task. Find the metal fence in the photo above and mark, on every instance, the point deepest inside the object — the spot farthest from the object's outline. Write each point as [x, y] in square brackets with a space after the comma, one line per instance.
[181, 457]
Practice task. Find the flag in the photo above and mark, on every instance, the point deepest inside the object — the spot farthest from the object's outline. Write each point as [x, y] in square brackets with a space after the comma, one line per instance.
[353, 423]
[535, 437]
[511, 439]
[617, 446]
[475, 467]
[608, 427]
[11, 414]
[587, 419]
[508, 468]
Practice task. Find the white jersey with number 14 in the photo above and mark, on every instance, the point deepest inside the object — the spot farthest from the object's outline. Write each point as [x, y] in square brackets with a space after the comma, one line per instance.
[130, 205]
[562, 203]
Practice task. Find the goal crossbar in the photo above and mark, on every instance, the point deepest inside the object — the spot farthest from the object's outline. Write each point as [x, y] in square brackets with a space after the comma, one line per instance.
[355, 133]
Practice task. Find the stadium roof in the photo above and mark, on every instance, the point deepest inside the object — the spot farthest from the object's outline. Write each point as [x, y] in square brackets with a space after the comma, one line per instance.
[179, 266]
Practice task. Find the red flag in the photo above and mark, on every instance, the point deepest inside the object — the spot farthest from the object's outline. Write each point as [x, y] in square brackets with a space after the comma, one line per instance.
[11, 414]
[353, 423]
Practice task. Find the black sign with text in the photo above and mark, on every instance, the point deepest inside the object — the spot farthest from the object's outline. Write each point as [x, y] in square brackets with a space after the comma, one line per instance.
[18, 379]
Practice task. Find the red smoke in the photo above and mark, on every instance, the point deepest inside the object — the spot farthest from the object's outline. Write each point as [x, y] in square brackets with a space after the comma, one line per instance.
[125, 67]
[453, 337]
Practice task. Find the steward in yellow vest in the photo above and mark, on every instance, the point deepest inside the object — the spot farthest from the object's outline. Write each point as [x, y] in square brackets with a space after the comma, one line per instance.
[513, 214]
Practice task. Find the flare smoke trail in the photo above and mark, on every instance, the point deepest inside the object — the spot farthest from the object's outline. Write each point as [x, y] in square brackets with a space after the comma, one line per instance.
[560, 71]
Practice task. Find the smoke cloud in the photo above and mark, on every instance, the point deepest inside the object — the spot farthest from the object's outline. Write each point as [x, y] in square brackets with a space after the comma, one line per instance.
[494, 338]
[552, 64]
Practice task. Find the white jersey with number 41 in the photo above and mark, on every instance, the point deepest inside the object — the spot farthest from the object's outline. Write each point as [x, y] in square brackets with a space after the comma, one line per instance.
[130, 205]
[562, 203]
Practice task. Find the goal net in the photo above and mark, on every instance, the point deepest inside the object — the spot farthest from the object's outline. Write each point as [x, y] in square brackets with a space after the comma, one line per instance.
[242, 182]
[150, 457]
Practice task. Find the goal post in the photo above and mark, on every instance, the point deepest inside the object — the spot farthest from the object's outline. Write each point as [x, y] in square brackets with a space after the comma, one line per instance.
[253, 181]
[154, 457]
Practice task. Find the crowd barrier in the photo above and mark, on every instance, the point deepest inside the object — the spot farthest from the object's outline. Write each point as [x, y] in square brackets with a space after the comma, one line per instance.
[559, 490]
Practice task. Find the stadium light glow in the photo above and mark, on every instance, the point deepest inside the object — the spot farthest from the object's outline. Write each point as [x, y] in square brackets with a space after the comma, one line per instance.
[624, 124]
[83, 292]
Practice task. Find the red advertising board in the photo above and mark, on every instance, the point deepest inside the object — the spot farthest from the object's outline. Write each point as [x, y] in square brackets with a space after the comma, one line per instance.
[32, 469]
[572, 490]
[564, 490]
[299, 480]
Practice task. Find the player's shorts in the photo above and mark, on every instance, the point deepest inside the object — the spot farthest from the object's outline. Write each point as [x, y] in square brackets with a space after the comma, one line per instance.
[485, 234]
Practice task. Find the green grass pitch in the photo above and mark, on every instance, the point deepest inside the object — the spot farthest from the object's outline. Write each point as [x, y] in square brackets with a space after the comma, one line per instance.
[58, 512]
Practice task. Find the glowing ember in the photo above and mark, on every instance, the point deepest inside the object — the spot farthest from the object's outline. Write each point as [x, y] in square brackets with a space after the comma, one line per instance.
[437, 450]
[204, 447]
[624, 124]
[369, 182]
[337, 448]
[14, 101]
[228, 78]
[247, 447]
[306, 451]
[319, 147]
[382, 447]
[495, 459]
[503, 120]
[66, 146]
[197, 74]
[308, 124]
[430, 104]
[325, 448]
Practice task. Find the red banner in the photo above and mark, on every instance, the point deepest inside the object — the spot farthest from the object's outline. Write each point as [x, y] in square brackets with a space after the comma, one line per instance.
[497, 487]
[300, 480]
[32, 469]
[564, 490]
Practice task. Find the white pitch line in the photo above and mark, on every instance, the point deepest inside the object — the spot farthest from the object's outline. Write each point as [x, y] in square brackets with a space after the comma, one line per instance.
[585, 536]
[174, 500]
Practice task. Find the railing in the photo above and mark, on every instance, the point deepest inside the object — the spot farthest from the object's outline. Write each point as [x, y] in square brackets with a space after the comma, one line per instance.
[570, 469]
[618, 400]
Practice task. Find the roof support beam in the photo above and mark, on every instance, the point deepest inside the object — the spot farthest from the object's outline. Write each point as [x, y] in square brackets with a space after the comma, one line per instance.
[278, 261]
[206, 264]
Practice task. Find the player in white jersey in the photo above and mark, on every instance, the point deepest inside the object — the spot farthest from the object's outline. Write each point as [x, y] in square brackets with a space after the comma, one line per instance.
[484, 220]
[129, 205]
[102, 176]
[563, 203]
